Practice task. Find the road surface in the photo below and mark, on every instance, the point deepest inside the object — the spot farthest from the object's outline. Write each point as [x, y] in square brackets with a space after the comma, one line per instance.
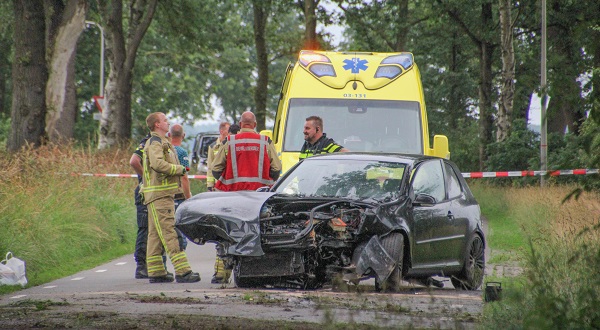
[95, 298]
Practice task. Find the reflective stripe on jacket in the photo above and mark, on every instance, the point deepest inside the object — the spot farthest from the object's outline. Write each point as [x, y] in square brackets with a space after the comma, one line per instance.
[162, 171]
[212, 151]
[323, 146]
[248, 164]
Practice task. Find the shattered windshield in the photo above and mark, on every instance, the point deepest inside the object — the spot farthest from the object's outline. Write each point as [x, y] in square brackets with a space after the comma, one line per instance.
[354, 179]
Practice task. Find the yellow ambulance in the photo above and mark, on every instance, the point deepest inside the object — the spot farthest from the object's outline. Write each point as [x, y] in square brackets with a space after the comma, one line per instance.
[368, 101]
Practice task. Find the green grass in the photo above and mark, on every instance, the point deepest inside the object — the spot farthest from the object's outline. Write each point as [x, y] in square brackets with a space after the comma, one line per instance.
[558, 246]
[505, 231]
[60, 223]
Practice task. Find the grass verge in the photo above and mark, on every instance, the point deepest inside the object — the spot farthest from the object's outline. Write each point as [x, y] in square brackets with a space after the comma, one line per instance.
[59, 222]
[558, 245]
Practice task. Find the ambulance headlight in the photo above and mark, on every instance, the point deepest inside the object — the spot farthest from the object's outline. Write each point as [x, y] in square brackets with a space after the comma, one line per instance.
[404, 60]
[388, 71]
[322, 70]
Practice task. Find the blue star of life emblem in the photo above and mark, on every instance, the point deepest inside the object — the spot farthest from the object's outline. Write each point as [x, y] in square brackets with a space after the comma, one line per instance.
[355, 64]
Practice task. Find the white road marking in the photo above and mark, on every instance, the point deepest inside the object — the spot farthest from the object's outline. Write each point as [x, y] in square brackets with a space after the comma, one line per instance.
[77, 278]
[19, 296]
[120, 263]
[50, 287]
[100, 270]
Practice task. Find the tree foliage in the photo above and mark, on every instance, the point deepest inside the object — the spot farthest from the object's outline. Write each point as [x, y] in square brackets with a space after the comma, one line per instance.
[197, 57]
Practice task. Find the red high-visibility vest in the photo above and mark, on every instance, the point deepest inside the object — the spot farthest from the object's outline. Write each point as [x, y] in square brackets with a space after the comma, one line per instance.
[248, 163]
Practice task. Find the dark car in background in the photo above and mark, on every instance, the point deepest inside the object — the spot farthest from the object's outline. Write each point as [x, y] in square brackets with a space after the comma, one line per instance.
[352, 216]
[200, 150]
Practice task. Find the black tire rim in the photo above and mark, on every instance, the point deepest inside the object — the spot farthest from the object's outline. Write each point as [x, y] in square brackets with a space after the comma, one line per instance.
[477, 260]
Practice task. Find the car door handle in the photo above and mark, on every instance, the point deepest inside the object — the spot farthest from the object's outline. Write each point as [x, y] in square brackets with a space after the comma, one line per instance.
[450, 216]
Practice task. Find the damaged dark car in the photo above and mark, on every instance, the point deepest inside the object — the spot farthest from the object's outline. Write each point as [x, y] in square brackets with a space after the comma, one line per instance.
[350, 216]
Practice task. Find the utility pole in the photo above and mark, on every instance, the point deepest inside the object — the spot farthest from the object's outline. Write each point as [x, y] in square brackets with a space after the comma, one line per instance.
[544, 90]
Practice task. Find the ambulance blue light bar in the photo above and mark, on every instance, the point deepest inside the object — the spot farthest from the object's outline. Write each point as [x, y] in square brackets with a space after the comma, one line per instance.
[404, 60]
[320, 68]
[392, 66]
[388, 71]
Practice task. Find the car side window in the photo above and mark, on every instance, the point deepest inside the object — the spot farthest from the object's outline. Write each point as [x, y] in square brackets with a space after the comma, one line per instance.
[454, 187]
[429, 179]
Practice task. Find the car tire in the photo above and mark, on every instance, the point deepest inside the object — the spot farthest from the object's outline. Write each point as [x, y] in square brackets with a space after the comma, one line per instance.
[471, 276]
[394, 245]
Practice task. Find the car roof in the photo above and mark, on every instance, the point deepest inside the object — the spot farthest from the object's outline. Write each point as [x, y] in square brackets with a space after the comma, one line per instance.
[389, 157]
[207, 133]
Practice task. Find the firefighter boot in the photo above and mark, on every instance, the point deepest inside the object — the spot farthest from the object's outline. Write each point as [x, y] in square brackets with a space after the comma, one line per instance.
[141, 271]
[219, 274]
[161, 279]
[189, 277]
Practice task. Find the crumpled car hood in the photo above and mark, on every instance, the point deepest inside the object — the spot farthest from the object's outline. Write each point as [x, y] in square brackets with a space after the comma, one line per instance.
[231, 217]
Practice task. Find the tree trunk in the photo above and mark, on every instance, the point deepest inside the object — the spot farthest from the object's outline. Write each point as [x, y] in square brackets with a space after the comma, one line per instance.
[6, 44]
[507, 90]
[115, 123]
[565, 110]
[486, 118]
[261, 10]
[66, 24]
[310, 19]
[115, 126]
[402, 25]
[3, 79]
[455, 106]
[65, 127]
[486, 50]
[29, 75]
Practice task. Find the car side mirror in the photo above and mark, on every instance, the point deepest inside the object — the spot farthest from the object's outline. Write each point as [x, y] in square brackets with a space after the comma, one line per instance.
[424, 199]
[263, 189]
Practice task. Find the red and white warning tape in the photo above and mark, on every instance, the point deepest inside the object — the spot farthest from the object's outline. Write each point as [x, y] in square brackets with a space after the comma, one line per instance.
[133, 175]
[476, 175]
[473, 175]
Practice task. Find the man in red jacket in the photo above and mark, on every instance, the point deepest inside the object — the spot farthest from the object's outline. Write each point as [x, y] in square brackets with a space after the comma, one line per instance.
[247, 160]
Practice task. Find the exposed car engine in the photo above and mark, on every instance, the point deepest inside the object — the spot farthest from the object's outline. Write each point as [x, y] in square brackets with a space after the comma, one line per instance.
[314, 239]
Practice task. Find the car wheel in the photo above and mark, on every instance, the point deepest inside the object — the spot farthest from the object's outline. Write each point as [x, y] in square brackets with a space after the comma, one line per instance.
[394, 245]
[471, 276]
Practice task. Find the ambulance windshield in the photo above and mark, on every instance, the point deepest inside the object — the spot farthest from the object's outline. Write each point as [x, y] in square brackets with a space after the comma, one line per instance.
[359, 125]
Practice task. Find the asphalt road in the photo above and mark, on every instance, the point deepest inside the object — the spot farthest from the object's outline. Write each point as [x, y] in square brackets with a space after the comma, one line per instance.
[118, 276]
[111, 290]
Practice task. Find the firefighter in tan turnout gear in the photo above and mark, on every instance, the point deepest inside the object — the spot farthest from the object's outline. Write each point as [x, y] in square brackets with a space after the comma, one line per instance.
[161, 181]
[212, 151]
